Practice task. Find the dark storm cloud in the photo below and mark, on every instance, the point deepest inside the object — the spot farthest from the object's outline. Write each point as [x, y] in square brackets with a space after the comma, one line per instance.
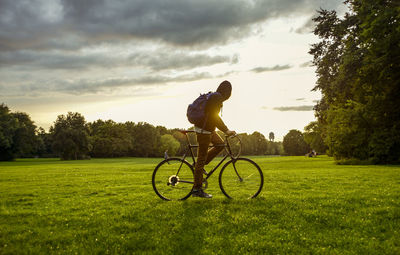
[70, 24]
[270, 69]
[177, 60]
[155, 60]
[303, 108]
[85, 86]
[33, 60]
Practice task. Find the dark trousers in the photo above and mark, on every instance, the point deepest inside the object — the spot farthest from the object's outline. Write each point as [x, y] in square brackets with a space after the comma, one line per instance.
[205, 155]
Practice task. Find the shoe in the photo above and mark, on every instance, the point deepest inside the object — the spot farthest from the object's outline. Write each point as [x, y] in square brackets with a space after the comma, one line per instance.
[200, 193]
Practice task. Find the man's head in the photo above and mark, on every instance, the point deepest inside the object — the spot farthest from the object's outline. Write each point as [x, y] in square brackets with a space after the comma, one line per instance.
[225, 89]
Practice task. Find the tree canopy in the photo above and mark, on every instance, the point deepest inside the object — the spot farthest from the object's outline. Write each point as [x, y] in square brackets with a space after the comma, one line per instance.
[17, 134]
[70, 136]
[358, 70]
[109, 139]
[314, 137]
[294, 144]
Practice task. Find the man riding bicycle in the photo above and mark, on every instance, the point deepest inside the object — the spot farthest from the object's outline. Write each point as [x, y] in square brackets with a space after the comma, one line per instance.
[205, 132]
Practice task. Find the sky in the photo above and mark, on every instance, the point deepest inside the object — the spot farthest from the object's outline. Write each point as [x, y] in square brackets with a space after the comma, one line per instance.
[146, 60]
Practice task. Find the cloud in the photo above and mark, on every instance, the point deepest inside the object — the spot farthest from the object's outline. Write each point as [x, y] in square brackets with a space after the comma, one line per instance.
[270, 69]
[307, 27]
[92, 86]
[72, 24]
[223, 75]
[55, 60]
[157, 60]
[306, 64]
[177, 60]
[294, 108]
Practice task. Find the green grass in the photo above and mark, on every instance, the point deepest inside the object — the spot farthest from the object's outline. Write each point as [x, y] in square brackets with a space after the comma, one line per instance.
[107, 206]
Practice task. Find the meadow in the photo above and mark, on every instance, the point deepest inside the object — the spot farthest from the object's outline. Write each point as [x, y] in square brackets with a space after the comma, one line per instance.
[108, 206]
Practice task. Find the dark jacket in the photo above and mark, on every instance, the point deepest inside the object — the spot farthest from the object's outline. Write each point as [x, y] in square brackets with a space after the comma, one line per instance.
[213, 107]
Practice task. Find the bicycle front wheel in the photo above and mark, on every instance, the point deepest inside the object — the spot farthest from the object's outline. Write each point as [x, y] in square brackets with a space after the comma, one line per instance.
[241, 178]
[173, 179]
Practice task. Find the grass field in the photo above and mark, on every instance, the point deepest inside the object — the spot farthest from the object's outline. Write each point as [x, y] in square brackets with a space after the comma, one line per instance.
[107, 206]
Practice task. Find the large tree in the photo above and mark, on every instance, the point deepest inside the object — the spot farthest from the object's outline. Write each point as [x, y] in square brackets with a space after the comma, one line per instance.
[17, 134]
[8, 126]
[25, 139]
[358, 69]
[314, 137]
[260, 144]
[254, 144]
[294, 144]
[71, 136]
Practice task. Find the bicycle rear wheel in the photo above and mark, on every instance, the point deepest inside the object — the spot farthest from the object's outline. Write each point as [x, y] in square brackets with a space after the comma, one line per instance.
[173, 179]
[241, 178]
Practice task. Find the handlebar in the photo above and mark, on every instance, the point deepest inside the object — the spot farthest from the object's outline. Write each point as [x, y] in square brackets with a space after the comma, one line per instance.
[231, 136]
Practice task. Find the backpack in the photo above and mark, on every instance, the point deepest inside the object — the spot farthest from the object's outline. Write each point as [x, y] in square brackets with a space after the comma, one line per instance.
[196, 110]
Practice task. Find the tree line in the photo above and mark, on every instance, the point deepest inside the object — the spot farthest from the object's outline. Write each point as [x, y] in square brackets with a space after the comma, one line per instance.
[72, 137]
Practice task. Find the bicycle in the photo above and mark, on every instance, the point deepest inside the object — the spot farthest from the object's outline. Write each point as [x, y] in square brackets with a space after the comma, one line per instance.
[239, 178]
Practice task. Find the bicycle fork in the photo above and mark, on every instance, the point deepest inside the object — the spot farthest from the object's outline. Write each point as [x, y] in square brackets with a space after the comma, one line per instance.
[234, 167]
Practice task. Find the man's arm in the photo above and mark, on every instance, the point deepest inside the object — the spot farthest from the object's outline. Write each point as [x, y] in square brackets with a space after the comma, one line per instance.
[220, 124]
[213, 107]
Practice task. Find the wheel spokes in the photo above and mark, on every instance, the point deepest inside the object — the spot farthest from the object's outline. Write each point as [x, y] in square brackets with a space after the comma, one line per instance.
[241, 178]
[173, 179]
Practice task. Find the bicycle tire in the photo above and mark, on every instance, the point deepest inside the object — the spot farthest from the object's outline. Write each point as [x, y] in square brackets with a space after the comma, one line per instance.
[241, 178]
[171, 185]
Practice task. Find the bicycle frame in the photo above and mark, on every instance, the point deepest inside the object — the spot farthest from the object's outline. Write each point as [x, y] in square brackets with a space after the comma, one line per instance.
[190, 150]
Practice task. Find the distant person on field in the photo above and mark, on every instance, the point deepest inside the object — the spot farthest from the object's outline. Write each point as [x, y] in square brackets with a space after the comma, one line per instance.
[205, 132]
[312, 153]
